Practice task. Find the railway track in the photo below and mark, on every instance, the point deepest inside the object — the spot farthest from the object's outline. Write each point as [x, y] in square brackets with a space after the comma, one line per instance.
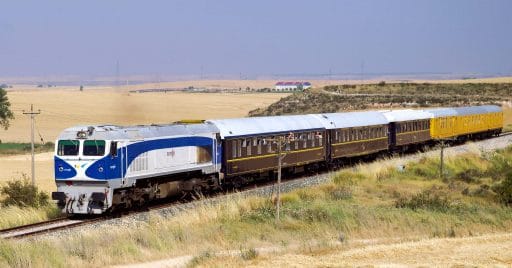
[63, 223]
[40, 227]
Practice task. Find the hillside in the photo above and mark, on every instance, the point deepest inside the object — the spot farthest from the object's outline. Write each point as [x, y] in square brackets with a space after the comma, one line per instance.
[380, 96]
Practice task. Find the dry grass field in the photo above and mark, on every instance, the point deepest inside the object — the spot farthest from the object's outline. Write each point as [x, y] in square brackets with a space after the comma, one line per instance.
[65, 107]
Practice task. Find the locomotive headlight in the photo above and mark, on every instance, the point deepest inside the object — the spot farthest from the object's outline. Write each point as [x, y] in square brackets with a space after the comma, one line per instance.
[100, 169]
[61, 169]
[81, 135]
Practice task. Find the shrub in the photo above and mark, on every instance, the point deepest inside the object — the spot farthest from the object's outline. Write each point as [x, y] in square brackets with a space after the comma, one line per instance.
[249, 254]
[22, 193]
[425, 200]
[503, 190]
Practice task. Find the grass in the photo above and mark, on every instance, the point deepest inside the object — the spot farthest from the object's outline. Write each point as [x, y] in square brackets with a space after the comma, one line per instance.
[11, 216]
[13, 148]
[359, 203]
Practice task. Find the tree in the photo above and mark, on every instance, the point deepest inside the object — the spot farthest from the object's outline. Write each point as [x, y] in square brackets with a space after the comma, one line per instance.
[5, 112]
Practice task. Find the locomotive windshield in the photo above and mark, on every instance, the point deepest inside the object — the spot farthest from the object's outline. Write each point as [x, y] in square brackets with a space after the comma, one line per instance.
[68, 147]
[94, 148]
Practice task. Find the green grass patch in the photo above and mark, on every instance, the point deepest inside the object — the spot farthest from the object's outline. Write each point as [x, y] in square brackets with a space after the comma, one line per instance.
[10, 148]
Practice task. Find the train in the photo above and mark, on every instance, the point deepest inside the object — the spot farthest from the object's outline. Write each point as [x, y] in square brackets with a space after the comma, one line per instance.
[101, 168]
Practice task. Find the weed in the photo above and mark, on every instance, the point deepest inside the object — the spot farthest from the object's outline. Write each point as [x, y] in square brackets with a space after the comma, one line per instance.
[503, 190]
[249, 254]
[428, 200]
[198, 260]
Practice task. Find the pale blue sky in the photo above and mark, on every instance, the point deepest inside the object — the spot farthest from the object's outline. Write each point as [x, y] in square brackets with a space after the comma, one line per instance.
[261, 37]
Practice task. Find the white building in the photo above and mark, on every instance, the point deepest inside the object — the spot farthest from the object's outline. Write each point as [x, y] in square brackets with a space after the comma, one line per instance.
[292, 86]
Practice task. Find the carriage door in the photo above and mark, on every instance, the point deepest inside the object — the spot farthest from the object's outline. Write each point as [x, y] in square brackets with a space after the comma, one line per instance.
[392, 131]
[115, 167]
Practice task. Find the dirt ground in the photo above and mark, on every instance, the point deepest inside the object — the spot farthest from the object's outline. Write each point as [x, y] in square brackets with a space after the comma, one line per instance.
[482, 250]
[485, 250]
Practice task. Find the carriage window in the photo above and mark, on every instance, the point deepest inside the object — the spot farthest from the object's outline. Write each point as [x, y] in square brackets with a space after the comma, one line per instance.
[94, 147]
[239, 147]
[249, 147]
[233, 149]
[259, 142]
[305, 141]
[68, 147]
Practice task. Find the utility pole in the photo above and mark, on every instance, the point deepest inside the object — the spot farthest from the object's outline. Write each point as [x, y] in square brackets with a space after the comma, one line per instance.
[441, 165]
[280, 157]
[280, 141]
[32, 116]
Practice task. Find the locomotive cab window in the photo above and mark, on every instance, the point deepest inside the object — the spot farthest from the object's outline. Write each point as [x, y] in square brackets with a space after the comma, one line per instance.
[68, 147]
[94, 147]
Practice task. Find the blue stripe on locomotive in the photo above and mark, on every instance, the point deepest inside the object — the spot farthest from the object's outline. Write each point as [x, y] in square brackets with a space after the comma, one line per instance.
[63, 170]
[110, 166]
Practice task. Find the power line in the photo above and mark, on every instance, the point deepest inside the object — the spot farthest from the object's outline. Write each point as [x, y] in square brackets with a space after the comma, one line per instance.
[38, 132]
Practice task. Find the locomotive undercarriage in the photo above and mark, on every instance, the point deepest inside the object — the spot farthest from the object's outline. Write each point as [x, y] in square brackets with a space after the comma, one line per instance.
[175, 186]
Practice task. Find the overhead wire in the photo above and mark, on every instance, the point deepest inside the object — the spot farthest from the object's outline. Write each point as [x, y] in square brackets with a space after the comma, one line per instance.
[38, 132]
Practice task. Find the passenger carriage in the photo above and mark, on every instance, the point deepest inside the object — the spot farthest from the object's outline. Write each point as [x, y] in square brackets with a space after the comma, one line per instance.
[407, 128]
[355, 133]
[250, 144]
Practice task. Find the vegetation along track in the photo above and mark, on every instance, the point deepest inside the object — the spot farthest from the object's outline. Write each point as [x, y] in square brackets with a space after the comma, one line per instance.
[174, 207]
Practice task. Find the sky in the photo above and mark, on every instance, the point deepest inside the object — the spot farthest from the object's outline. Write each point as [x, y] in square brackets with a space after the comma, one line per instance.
[251, 38]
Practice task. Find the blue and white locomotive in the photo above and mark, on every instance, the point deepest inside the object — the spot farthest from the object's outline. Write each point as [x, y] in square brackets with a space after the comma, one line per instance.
[97, 167]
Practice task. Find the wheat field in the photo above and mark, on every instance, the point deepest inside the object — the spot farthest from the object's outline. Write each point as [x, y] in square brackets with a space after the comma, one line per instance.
[66, 107]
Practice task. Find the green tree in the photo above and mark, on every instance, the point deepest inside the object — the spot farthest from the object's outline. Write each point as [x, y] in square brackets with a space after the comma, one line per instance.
[5, 111]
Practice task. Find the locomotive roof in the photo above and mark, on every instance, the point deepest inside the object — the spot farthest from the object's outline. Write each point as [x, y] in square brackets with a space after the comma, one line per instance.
[352, 119]
[111, 132]
[406, 115]
[266, 124]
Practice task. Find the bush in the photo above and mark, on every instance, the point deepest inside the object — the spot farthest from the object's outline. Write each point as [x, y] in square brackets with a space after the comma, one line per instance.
[503, 190]
[424, 200]
[22, 193]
